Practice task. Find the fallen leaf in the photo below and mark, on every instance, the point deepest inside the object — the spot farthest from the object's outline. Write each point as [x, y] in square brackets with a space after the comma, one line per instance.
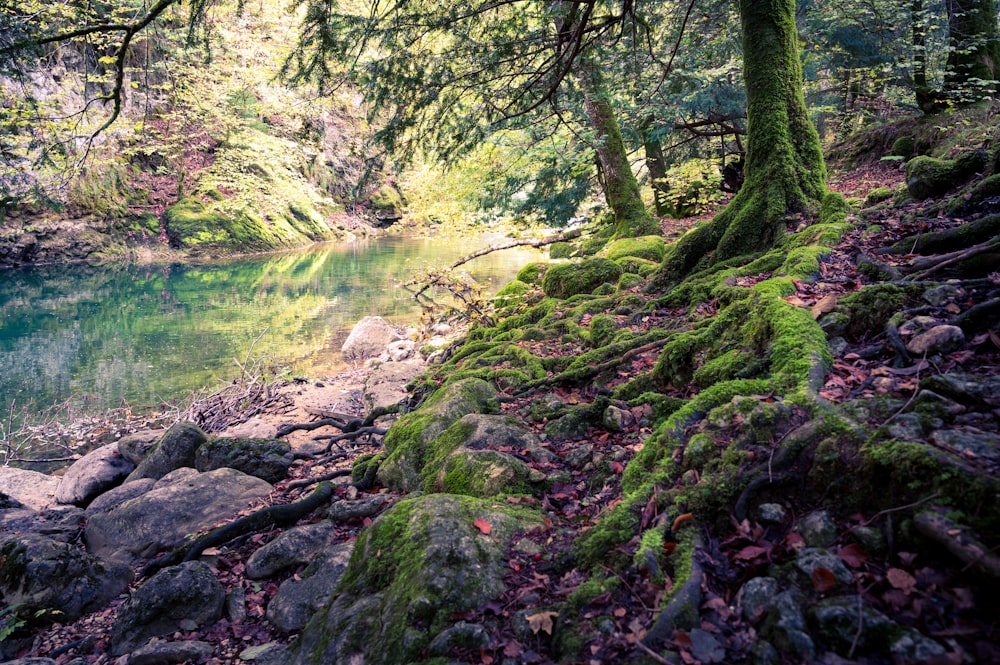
[852, 555]
[827, 303]
[900, 579]
[513, 649]
[823, 579]
[619, 612]
[541, 621]
[482, 525]
[485, 658]
[750, 552]
[795, 300]
[681, 519]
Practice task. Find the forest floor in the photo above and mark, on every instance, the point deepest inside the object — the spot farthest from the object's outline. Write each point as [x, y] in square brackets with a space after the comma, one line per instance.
[925, 588]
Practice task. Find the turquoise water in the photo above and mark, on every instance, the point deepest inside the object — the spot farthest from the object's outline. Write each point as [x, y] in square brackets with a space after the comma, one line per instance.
[152, 333]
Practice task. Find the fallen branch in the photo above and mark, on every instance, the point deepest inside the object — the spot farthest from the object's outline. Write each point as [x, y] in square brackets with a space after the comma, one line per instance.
[265, 518]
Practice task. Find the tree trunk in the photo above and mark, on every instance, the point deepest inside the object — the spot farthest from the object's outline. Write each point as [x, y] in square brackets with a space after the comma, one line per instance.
[975, 49]
[620, 186]
[785, 172]
[655, 164]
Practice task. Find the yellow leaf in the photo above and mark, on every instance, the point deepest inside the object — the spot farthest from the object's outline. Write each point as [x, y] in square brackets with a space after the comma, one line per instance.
[541, 621]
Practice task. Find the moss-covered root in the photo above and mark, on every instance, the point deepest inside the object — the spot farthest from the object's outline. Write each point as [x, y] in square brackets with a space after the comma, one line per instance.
[680, 610]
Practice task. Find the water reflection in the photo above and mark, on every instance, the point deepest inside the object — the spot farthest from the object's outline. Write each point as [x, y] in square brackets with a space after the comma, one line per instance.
[154, 332]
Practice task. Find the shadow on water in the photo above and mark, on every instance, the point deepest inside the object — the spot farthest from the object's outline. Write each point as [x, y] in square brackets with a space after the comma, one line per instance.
[150, 333]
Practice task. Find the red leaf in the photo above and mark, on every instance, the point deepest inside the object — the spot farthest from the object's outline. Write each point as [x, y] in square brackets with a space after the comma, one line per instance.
[619, 612]
[486, 658]
[750, 552]
[482, 525]
[513, 649]
[900, 579]
[681, 519]
[823, 579]
[852, 555]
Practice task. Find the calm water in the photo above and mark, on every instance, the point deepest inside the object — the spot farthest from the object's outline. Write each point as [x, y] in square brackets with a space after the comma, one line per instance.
[156, 332]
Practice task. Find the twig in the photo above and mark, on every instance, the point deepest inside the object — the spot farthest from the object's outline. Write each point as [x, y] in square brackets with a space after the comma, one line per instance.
[888, 511]
[857, 633]
[652, 654]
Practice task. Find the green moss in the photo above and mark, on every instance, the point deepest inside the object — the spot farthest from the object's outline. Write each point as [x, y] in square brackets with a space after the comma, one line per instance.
[927, 177]
[602, 329]
[735, 363]
[641, 267]
[871, 308]
[568, 279]
[561, 250]
[512, 294]
[531, 273]
[878, 195]
[902, 147]
[650, 248]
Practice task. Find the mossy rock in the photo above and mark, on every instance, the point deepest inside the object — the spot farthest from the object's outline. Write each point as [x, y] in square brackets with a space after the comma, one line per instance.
[602, 330]
[927, 177]
[420, 563]
[637, 266]
[532, 273]
[650, 248]
[267, 459]
[902, 147]
[408, 442]
[878, 195]
[561, 250]
[987, 188]
[569, 279]
[511, 294]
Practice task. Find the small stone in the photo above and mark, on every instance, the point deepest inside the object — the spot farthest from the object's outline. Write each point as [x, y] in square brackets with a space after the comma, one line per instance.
[837, 620]
[164, 653]
[818, 529]
[764, 653]
[913, 647]
[705, 647]
[869, 538]
[236, 605]
[883, 384]
[785, 626]
[579, 455]
[401, 350]
[906, 427]
[616, 419]
[756, 595]
[838, 347]
[811, 558]
[771, 513]
[917, 325]
[943, 294]
[972, 443]
[527, 546]
[937, 340]
[462, 635]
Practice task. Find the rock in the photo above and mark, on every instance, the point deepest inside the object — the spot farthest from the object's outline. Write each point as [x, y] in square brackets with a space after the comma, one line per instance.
[906, 427]
[346, 510]
[869, 538]
[966, 388]
[119, 494]
[62, 523]
[45, 574]
[368, 339]
[297, 600]
[255, 428]
[937, 340]
[462, 635]
[616, 419]
[579, 456]
[496, 432]
[917, 325]
[386, 385]
[271, 653]
[928, 177]
[174, 450]
[785, 626]
[546, 407]
[32, 489]
[705, 647]
[292, 548]
[913, 647]
[943, 294]
[93, 474]
[135, 447]
[818, 529]
[756, 596]
[812, 558]
[771, 513]
[569, 279]
[236, 605]
[162, 518]
[30, 661]
[267, 459]
[176, 595]
[174, 476]
[401, 350]
[419, 563]
[480, 473]
[166, 653]
[409, 438]
[837, 621]
[763, 653]
[970, 442]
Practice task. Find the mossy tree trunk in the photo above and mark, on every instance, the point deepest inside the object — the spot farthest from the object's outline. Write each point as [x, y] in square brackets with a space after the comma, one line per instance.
[655, 163]
[974, 58]
[620, 186]
[785, 172]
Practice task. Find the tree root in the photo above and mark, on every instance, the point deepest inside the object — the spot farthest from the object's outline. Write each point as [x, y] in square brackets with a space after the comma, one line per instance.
[333, 439]
[306, 482]
[932, 265]
[262, 519]
[344, 422]
[966, 547]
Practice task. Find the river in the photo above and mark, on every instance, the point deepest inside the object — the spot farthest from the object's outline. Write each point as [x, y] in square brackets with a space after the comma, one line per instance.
[151, 333]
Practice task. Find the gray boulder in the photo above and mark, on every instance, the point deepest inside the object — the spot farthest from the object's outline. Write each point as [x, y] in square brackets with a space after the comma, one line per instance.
[267, 459]
[91, 475]
[174, 598]
[136, 447]
[45, 574]
[165, 653]
[162, 518]
[417, 565]
[292, 548]
[837, 621]
[369, 338]
[32, 489]
[298, 600]
[119, 494]
[175, 450]
[386, 385]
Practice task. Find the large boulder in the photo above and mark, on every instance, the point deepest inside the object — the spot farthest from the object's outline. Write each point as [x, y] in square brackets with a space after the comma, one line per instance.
[164, 517]
[176, 598]
[569, 279]
[420, 563]
[44, 574]
[408, 440]
[928, 177]
[31, 489]
[292, 548]
[93, 474]
[135, 447]
[120, 494]
[300, 597]
[386, 385]
[369, 338]
[175, 450]
[267, 459]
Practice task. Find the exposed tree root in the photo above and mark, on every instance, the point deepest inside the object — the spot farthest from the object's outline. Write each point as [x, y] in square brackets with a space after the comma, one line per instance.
[265, 518]
[946, 260]
[949, 240]
[306, 482]
[966, 547]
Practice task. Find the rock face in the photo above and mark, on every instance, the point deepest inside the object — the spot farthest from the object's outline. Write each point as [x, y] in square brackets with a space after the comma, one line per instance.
[416, 565]
[369, 338]
[292, 548]
[267, 459]
[29, 488]
[298, 600]
[175, 450]
[386, 385]
[45, 574]
[93, 474]
[135, 447]
[162, 518]
[167, 602]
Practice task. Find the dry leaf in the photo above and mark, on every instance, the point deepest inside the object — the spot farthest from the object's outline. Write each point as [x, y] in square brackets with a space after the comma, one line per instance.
[482, 525]
[827, 303]
[681, 519]
[513, 649]
[823, 579]
[852, 555]
[619, 612]
[541, 621]
[900, 579]
[750, 552]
